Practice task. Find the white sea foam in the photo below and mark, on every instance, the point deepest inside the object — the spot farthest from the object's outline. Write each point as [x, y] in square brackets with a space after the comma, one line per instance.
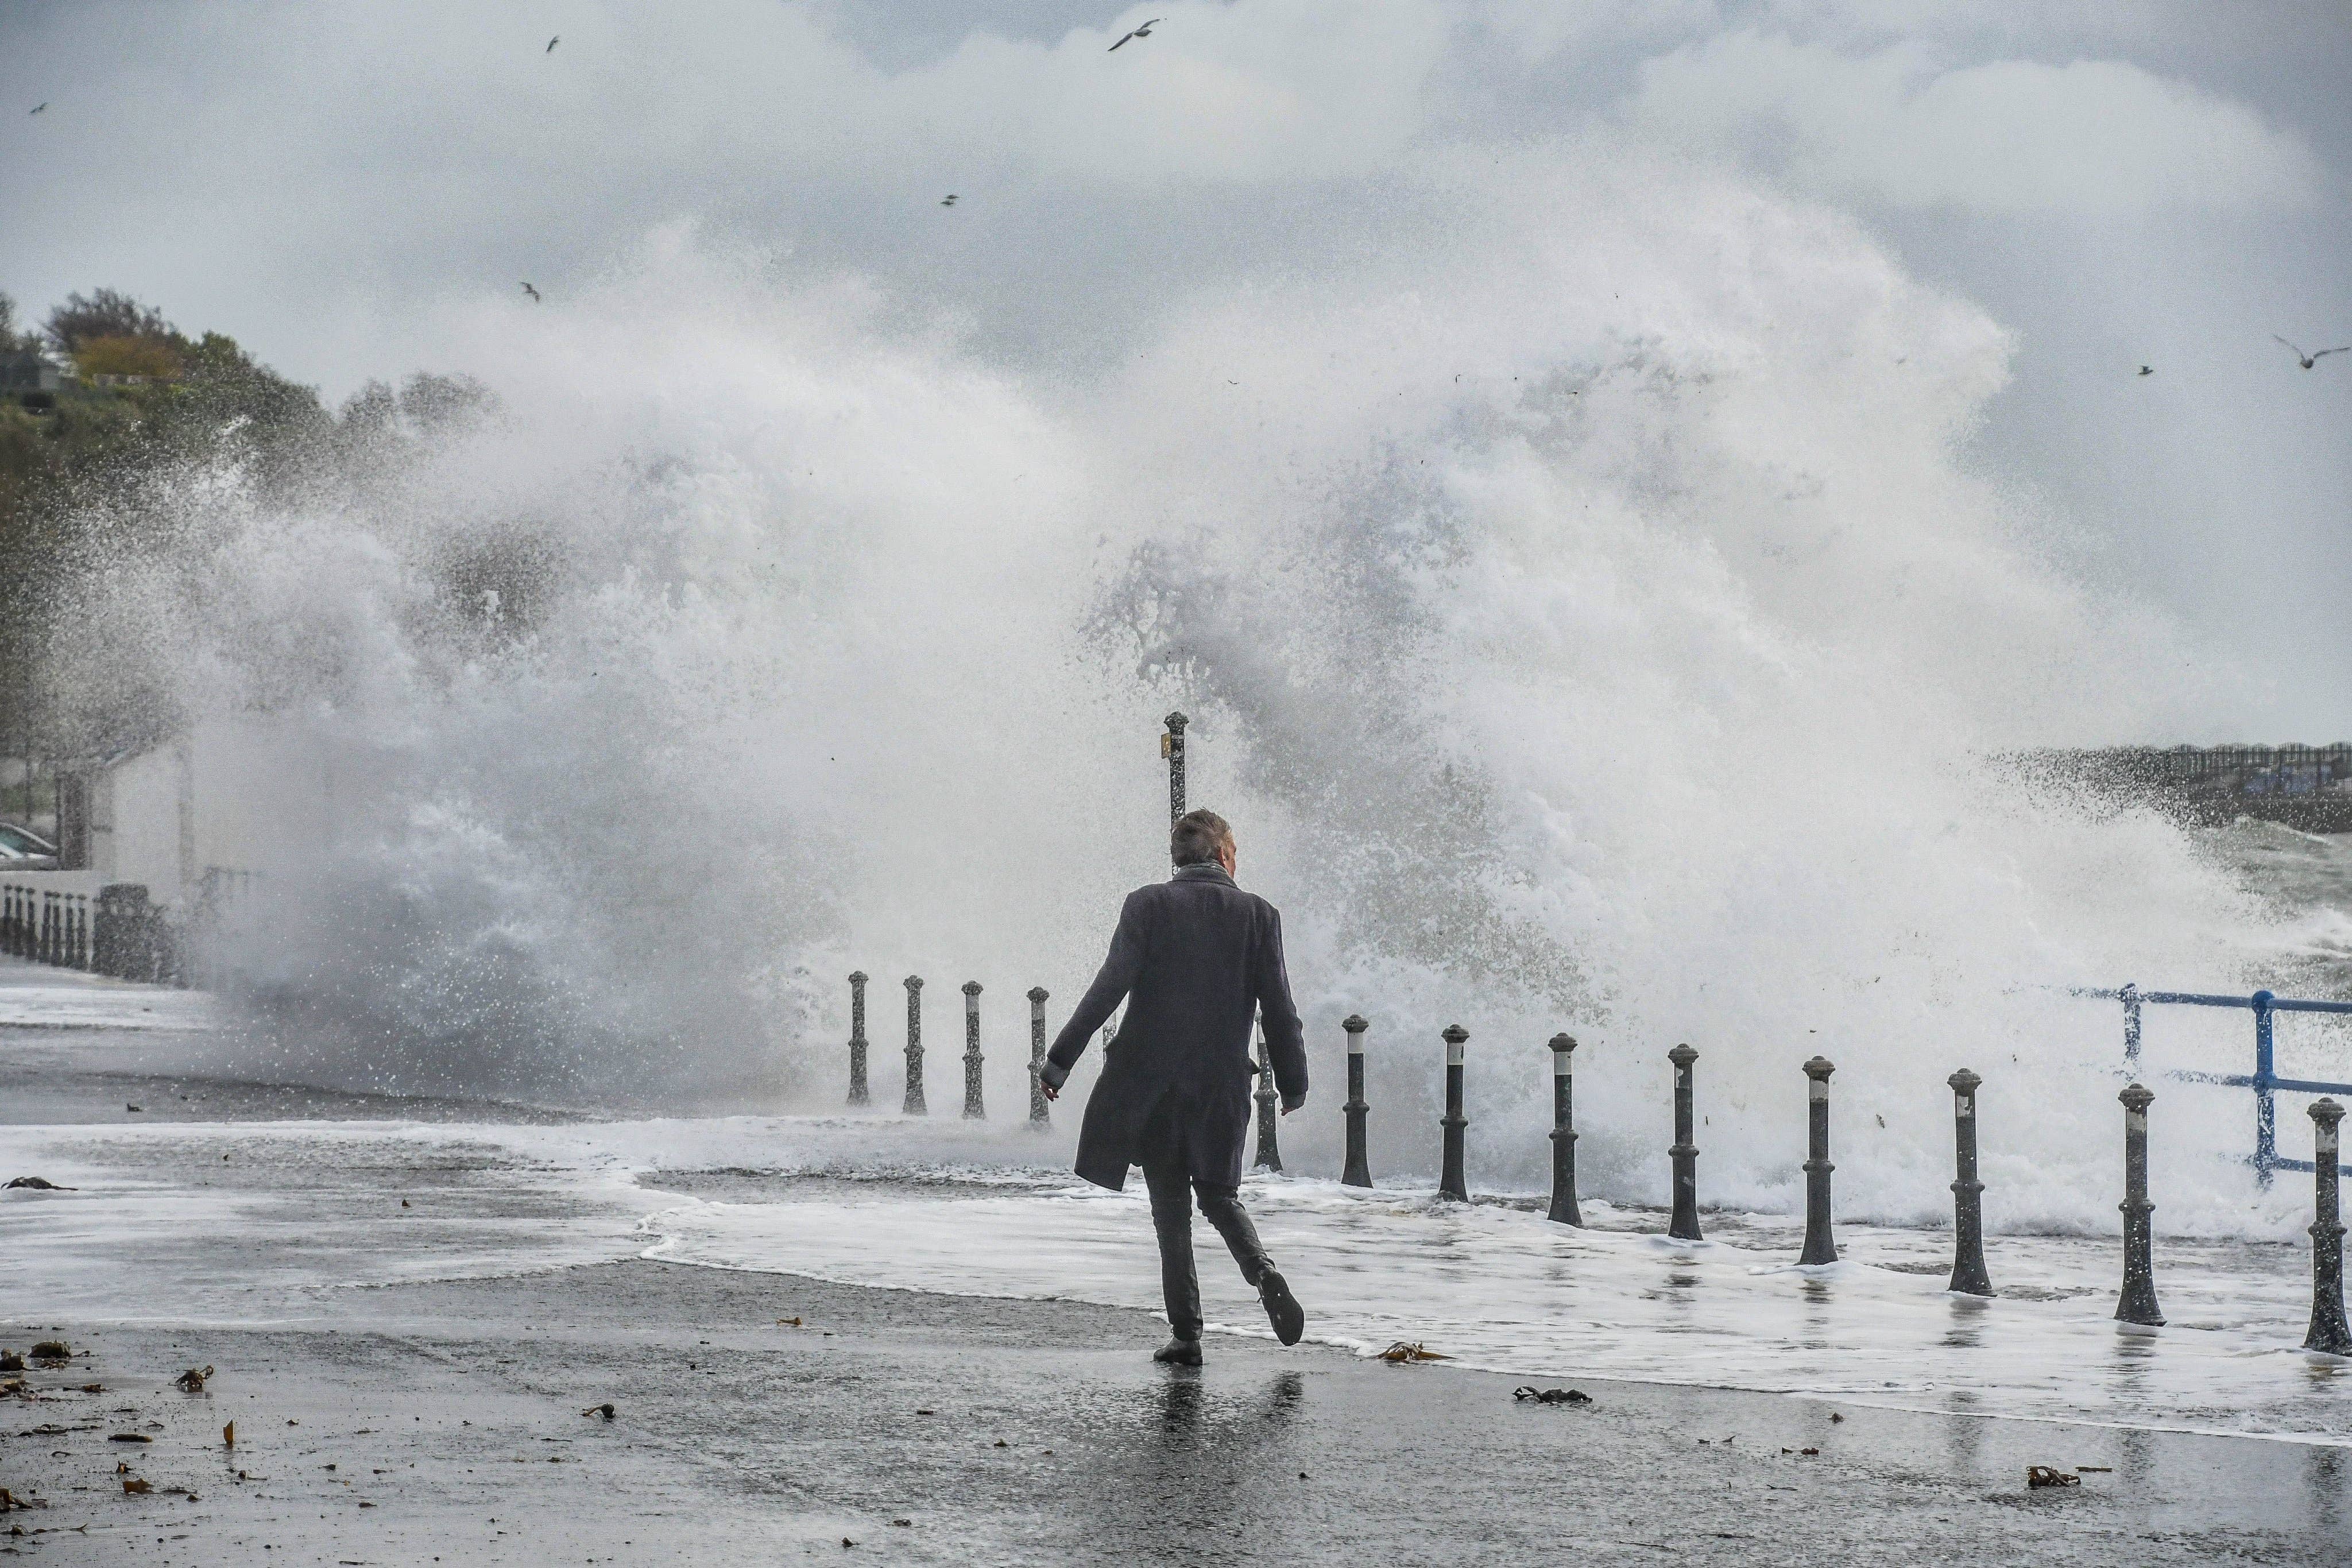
[1505, 1290]
[160, 1228]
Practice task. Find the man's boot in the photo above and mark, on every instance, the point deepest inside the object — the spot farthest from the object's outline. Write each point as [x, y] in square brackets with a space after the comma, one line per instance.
[1282, 1308]
[1179, 1352]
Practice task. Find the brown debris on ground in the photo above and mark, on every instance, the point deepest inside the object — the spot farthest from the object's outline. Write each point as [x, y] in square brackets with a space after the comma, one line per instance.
[1405, 1351]
[2038, 1475]
[193, 1380]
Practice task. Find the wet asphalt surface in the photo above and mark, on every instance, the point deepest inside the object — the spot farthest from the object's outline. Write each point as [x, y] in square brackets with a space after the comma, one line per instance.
[444, 1421]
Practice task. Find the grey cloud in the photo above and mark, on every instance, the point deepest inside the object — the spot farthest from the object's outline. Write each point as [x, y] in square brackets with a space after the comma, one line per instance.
[346, 189]
[2006, 136]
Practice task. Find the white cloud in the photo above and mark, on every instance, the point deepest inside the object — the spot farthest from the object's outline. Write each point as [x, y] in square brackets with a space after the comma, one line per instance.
[2096, 137]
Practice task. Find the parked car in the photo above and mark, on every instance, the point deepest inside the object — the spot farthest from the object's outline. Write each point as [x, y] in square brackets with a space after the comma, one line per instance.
[21, 848]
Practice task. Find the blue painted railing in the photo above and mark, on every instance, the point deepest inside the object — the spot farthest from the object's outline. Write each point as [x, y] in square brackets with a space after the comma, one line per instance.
[2263, 1079]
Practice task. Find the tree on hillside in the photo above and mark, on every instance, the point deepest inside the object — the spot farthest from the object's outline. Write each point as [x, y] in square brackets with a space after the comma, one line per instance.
[107, 313]
[13, 338]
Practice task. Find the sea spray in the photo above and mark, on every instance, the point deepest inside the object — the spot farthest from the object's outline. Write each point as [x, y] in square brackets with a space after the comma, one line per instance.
[1589, 613]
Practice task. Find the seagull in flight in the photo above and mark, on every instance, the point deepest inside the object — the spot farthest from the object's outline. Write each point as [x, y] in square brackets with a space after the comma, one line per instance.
[2148, 370]
[39, 107]
[949, 200]
[535, 300]
[552, 43]
[1142, 32]
[2307, 360]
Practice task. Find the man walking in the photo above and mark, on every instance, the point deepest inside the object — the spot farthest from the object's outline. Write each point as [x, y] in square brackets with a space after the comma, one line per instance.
[1194, 957]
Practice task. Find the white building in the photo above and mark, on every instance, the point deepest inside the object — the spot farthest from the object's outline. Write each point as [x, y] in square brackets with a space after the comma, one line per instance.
[224, 796]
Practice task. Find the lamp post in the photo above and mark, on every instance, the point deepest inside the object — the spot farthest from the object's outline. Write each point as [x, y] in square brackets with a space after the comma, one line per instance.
[1563, 1132]
[1358, 1171]
[1968, 1276]
[1684, 1225]
[1452, 1184]
[857, 1092]
[1820, 1246]
[914, 1105]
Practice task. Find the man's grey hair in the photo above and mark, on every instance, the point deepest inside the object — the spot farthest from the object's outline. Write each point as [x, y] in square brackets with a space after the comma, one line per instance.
[1197, 837]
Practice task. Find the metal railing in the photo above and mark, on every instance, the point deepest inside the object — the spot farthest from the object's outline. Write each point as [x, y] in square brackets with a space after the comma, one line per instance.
[2263, 1079]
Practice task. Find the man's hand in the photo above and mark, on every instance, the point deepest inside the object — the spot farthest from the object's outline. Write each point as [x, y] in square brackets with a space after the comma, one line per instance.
[1051, 1091]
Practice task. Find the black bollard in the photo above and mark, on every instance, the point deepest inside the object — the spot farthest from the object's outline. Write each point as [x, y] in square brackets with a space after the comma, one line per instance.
[1819, 1245]
[81, 931]
[1451, 1183]
[857, 1091]
[1172, 747]
[1563, 1132]
[1269, 1147]
[973, 1110]
[1040, 1117]
[1968, 1276]
[2137, 1303]
[1683, 1226]
[1358, 1170]
[2329, 1333]
[49, 943]
[915, 1106]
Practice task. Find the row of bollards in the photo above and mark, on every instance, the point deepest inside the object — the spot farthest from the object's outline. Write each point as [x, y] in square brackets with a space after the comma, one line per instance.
[46, 926]
[2328, 1334]
[2135, 1304]
[116, 932]
[975, 1104]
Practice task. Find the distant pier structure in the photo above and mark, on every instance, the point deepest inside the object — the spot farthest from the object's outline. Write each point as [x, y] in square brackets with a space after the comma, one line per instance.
[2306, 786]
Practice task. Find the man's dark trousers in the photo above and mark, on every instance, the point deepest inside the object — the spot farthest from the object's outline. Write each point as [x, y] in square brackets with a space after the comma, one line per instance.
[1167, 1176]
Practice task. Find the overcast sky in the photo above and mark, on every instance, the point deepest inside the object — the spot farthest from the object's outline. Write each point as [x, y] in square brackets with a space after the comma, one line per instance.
[339, 185]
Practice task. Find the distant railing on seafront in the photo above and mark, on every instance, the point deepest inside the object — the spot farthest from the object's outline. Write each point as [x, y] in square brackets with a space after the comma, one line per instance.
[2263, 1079]
[66, 920]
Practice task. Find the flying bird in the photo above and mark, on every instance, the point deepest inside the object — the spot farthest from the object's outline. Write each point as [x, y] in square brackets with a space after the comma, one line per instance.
[39, 107]
[535, 300]
[2307, 360]
[2148, 370]
[949, 200]
[552, 43]
[1142, 32]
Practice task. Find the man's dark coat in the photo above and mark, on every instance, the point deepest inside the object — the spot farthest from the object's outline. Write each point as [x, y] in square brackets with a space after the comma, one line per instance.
[1196, 956]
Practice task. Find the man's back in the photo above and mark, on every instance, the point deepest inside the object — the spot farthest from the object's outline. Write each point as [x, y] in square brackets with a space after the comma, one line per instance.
[1207, 945]
[1196, 958]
